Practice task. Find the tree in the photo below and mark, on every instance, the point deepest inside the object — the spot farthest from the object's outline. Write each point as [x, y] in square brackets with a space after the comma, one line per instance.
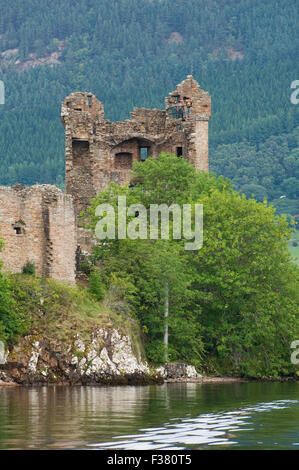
[249, 287]
[164, 300]
[236, 297]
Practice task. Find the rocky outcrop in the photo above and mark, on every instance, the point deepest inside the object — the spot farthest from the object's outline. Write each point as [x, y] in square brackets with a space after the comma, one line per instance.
[177, 371]
[106, 357]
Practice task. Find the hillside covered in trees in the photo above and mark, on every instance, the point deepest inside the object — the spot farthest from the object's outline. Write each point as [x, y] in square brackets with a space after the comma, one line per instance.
[132, 53]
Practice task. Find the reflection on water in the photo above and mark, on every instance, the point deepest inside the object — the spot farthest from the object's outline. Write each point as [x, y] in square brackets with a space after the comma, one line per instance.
[236, 415]
[208, 429]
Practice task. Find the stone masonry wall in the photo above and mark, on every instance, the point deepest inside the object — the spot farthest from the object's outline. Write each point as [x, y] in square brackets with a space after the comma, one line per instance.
[37, 224]
[40, 224]
[99, 151]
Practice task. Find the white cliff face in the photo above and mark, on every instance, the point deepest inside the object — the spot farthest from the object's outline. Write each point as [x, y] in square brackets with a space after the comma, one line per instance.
[123, 357]
[98, 362]
[106, 355]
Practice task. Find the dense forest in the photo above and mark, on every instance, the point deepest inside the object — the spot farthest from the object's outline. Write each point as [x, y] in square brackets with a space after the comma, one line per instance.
[132, 53]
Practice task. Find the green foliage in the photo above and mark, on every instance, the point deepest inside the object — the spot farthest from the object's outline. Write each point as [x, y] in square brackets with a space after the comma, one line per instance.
[234, 303]
[294, 246]
[29, 268]
[56, 311]
[12, 321]
[250, 287]
[96, 286]
[269, 170]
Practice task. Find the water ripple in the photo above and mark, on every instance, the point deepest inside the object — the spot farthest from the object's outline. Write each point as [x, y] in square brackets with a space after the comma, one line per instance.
[206, 429]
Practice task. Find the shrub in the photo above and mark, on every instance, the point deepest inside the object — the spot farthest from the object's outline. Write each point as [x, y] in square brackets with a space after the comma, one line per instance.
[13, 322]
[96, 285]
[29, 268]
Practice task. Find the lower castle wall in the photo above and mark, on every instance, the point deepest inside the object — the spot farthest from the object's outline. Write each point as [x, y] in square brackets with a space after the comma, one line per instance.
[37, 224]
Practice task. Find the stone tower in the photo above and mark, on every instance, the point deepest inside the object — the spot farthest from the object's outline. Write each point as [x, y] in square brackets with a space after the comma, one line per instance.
[99, 151]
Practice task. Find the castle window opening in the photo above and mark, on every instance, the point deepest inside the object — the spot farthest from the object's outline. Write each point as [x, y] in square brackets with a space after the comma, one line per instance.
[18, 228]
[187, 106]
[179, 151]
[80, 152]
[176, 111]
[89, 101]
[143, 153]
[123, 161]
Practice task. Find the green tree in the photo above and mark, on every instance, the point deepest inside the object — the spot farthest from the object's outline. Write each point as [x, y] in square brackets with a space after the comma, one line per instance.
[233, 304]
[249, 287]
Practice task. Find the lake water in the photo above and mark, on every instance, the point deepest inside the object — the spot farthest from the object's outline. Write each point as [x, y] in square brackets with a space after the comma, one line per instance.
[169, 416]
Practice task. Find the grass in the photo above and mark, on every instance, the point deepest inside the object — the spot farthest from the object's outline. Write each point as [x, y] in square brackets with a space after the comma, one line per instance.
[58, 312]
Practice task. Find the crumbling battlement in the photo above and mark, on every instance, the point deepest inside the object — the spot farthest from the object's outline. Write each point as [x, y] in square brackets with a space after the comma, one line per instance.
[99, 151]
[37, 224]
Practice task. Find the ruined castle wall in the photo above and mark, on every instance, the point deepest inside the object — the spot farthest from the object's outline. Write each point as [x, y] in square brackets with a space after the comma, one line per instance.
[40, 224]
[197, 124]
[37, 225]
[201, 151]
[99, 151]
[62, 239]
[21, 212]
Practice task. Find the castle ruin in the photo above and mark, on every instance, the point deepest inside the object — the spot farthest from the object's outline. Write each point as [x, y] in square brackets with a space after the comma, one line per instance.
[39, 223]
